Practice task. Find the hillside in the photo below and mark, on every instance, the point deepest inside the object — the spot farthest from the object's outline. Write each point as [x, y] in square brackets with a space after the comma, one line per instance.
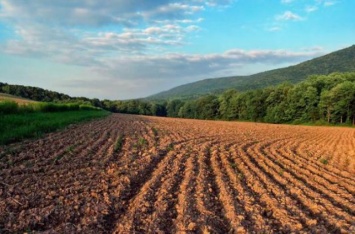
[29, 93]
[19, 100]
[339, 61]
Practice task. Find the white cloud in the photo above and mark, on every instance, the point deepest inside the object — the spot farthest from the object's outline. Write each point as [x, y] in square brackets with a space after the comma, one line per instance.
[167, 65]
[274, 29]
[96, 13]
[311, 8]
[319, 4]
[286, 1]
[326, 3]
[215, 3]
[288, 15]
[165, 71]
[117, 27]
[329, 3]
[314, 49]
[169, 70]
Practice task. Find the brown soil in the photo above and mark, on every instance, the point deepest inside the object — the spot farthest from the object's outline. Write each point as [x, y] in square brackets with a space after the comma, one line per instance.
[180, 176]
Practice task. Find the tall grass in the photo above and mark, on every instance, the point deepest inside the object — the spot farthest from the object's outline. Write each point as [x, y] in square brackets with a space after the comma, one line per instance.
[11, 107]
[17, 126]
[8, 107]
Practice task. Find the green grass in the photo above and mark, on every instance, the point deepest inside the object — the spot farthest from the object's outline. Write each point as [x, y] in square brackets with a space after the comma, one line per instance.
[324, 161]
[119, 143]
[141, 143]
[12, 107]
[170, 147]
[16, 127]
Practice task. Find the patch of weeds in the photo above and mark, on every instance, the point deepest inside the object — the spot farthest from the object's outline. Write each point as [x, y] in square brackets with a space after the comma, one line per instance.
[142, 141]
[170, 147]
[156, 136]
[59, 157]
[324, 161]
[70, 149]
[119, 143]
[155, 132]
[281, 172]
[233, 165]
[240, 176]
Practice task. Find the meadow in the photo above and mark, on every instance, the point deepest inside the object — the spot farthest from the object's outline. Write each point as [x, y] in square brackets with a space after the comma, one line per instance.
[32, 119]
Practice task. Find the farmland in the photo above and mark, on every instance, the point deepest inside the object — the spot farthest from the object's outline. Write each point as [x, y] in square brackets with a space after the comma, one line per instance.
[126, 174]
[19, 100]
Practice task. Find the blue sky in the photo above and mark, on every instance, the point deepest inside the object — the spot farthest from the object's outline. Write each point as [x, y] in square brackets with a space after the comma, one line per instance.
[122, 49]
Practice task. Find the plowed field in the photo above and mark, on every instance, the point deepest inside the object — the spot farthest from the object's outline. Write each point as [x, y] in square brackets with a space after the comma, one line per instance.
[134, 174]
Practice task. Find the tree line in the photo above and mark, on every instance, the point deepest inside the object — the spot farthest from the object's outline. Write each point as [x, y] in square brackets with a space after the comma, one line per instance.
[319, 99]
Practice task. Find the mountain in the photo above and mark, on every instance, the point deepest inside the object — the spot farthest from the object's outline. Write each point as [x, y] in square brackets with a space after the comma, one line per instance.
[338, 61]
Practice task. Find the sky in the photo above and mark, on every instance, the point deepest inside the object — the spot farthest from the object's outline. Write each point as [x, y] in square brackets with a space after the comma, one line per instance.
[123, 49]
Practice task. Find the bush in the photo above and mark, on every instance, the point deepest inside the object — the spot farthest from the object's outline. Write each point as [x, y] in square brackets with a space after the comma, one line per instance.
[8, 107]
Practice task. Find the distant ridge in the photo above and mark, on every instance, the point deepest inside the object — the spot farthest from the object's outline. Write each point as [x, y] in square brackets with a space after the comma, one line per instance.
[338, 61]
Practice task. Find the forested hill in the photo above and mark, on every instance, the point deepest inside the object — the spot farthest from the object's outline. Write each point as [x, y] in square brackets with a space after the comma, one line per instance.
[339, 61]
[43, 95]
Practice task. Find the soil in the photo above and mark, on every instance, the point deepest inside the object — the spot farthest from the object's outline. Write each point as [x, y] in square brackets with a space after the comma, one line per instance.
[137, 174]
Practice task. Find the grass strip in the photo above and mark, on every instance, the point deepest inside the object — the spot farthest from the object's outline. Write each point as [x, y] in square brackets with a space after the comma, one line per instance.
[16, 127]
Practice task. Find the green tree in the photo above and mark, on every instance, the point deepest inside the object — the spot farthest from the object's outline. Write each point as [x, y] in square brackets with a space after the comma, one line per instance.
[158, 109]
[188, 110]
[277, 110]
[173, 107]
[225, 104]
[207, 107]
[343, 99]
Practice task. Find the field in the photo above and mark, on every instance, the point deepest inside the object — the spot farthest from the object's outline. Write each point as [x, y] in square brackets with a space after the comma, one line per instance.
[135, 174]
[19, 126]
[19, 100]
